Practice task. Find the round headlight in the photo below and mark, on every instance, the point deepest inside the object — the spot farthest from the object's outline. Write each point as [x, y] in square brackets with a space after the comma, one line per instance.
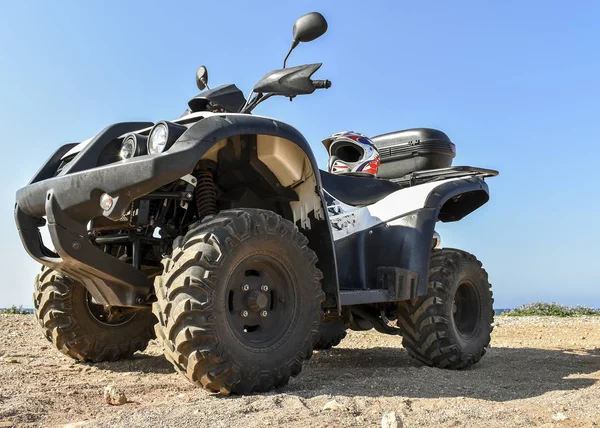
[157, 142]
[128, 148]
[163, 135]
[133, 145]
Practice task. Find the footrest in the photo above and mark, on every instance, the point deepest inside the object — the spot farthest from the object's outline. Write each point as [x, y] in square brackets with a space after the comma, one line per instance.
[362, 297]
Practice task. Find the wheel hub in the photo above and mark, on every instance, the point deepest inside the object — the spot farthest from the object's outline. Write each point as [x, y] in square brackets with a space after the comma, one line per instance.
[257, 300]
[260, 297]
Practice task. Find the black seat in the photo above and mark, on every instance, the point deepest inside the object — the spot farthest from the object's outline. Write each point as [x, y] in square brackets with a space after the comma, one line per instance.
[357, 190]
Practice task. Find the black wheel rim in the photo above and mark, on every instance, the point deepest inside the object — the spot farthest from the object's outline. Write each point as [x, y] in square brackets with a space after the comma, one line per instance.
[260, 301]
[112, 316]
[466, 309]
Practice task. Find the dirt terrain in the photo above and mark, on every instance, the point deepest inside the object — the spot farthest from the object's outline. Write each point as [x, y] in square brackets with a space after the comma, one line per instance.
[539, 372]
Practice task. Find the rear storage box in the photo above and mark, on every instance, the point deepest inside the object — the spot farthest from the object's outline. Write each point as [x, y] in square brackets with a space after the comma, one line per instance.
[410, 150]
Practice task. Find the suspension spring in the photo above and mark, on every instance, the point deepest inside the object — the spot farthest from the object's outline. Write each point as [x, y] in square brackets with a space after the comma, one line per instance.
[206, 189]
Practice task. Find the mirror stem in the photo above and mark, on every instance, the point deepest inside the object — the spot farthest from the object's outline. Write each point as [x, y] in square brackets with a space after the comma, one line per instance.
[294, 44]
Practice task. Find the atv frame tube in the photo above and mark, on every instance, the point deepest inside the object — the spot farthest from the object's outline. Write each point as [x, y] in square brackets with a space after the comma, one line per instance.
[71, 200]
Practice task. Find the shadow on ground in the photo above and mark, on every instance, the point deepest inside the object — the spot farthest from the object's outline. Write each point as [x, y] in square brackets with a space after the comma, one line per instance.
[503, 374]
[138, 363]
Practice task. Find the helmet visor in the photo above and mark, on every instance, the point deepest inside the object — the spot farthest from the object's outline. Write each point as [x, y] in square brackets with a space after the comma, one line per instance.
[347, 151]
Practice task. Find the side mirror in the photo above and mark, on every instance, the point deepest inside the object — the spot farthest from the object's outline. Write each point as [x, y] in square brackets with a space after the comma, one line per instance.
[309, 27]
[202, 78]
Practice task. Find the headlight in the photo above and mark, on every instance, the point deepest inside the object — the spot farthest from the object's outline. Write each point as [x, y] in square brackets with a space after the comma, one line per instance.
[163, 135]
[133, 145]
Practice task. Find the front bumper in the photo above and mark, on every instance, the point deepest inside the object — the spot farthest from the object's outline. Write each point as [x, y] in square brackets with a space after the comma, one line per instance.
[71, 200]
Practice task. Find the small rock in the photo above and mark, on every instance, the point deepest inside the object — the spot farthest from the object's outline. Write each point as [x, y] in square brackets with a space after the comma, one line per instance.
[114, 396]
[333, 406]
[559, 417]
[13, 361]
[389, 420]
[70, 393]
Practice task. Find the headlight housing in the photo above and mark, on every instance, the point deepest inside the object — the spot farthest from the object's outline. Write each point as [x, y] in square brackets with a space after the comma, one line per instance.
[133, 145]
[163, 135]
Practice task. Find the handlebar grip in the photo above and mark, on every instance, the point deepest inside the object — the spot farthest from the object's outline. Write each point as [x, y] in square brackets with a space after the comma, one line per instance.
[321, 84]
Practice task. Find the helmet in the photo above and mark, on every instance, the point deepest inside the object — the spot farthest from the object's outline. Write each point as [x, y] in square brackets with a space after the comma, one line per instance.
[352, 153]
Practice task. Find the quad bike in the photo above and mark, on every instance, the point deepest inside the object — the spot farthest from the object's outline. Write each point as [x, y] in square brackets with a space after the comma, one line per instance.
[218, 234]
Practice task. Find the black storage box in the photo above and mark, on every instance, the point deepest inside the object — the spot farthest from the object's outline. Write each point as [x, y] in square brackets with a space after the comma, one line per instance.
[410, 150]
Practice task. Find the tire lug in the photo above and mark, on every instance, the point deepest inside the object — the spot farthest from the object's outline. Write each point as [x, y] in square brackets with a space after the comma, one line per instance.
[244, 314]
[245, 287]
[264, 288]
[263, 314]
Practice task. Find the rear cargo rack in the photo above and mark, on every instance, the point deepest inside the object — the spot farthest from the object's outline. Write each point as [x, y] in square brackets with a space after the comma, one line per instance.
[421, 177]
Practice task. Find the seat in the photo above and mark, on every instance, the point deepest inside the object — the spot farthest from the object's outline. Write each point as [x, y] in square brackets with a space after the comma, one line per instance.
[357, 191]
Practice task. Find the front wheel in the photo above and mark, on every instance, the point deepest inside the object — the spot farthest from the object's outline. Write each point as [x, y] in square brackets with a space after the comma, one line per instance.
[83, 329]
[450, 326]
[239, 302]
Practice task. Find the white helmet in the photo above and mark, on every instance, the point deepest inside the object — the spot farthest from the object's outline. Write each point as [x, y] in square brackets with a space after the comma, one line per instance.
[352, 153]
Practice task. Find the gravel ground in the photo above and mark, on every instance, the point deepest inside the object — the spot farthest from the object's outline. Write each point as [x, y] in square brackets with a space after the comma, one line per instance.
[539, 372]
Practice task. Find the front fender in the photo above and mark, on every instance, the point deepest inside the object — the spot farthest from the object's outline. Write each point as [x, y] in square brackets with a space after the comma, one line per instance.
[203, 135]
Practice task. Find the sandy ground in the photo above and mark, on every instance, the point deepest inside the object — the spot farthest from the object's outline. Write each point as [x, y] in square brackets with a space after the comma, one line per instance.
[539, 372]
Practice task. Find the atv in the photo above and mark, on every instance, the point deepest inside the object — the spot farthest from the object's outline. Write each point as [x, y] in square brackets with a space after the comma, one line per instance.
[218, 234]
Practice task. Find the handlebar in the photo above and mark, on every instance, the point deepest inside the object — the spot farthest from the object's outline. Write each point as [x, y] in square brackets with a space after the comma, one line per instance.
[321, 84]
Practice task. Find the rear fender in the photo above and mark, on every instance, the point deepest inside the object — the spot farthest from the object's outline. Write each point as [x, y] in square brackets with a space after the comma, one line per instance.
[397, 231]
[451, 201]
[455, 200]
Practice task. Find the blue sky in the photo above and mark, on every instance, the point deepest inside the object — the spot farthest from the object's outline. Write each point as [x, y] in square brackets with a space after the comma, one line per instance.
[514, 84]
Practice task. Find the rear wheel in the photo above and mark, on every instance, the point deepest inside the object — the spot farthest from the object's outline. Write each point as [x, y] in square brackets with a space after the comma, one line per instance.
[239, 302]
[450, 326]
[83, 329]
[331, 332]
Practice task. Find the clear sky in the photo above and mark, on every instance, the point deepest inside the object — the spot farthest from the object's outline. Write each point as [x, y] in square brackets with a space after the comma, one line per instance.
[516, 85]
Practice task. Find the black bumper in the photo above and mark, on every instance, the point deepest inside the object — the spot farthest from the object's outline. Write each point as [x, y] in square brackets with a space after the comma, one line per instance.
[71, 199]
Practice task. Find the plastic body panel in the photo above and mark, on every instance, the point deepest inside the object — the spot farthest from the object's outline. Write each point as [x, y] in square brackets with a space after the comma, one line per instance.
[410, 150]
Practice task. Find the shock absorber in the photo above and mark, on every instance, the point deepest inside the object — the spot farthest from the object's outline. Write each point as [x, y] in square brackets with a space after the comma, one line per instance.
[206, 189]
